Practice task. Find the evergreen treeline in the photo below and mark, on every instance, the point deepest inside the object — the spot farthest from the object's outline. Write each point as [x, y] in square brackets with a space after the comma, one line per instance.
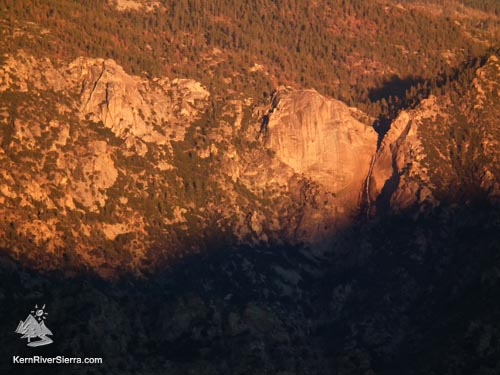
[363, 52]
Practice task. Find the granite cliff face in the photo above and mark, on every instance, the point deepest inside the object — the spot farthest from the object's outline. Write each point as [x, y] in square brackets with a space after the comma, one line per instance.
[321, 139]
[151, 111]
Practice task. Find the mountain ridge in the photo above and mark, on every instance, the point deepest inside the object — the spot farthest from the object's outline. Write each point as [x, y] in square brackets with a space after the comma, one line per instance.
[131, 128]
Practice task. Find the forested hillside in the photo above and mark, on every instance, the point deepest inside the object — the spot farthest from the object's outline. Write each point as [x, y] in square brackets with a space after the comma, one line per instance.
[282, 187]
[363, 52]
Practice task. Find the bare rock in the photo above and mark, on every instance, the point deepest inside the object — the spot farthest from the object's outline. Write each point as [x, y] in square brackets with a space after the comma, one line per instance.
[98, 173]
[155, 111]
[319, 138]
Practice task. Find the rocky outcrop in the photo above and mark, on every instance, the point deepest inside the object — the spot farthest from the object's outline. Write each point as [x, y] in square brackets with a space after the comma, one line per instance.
[79, 145]
[319, 138]
[154, 111]
[398, 176]
[135, 5]
[98, 173]
[446, 148]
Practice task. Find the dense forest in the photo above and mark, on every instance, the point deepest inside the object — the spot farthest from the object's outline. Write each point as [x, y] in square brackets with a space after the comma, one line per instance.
[366, 53]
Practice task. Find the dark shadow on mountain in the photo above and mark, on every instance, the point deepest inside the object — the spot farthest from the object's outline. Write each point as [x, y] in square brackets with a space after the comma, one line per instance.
[381, 126]
[397, 94]
[405, 293]
[394, 95]
[395, 87]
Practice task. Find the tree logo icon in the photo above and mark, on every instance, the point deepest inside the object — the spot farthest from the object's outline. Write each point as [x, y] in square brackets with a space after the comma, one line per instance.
[34, 327]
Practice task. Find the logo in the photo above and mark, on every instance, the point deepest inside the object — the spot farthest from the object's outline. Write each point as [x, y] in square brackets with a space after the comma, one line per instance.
[34, 327]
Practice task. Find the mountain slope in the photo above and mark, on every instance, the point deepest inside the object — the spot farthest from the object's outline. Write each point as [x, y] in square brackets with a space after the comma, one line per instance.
[127, 162]
[172, 188]
[116, 172]
[444, 150]
[356, 51]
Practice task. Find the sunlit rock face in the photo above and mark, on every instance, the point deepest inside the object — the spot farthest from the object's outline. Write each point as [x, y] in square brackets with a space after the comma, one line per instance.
[154, 111]
[320, 138]
[75, 140]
